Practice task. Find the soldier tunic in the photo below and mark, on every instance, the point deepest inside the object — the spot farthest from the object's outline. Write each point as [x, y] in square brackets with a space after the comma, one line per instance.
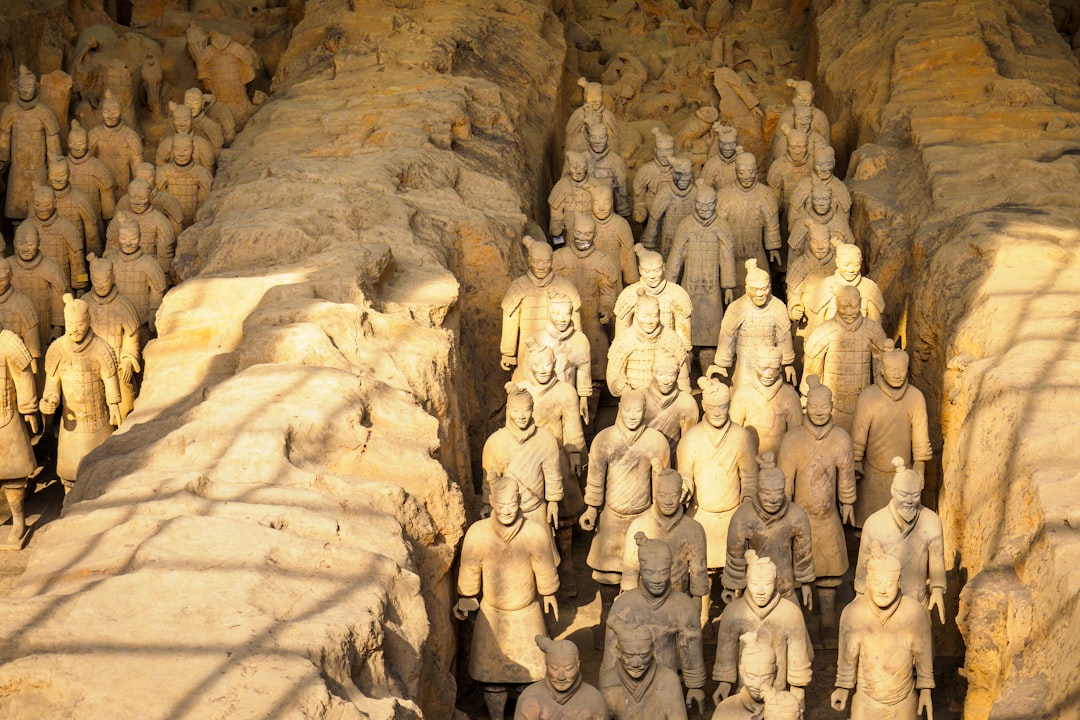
[596, 277]
[555, 409]
[525, 313]
[668, 209]
[780, 624]
[29, 132]
[648, 180]
[746, 329]
[767, 412]
[675, 308]
[657, 695]
[43, 284]
[615, 239]
[754, 216]
[918, 545]
[686, 538]
[609, 167]
[189, 183]
[119, 148]
[703, 256]
[540, 701]
[93, 179]
[18, 397]
[632, 359]
[783, 536]
[671, 414]
[573, 361]
[843, 356]
[113, 319]
[18, 315]
[61, 243]
[156, 236]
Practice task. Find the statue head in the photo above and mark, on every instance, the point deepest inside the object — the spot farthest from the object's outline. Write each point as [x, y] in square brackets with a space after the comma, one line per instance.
[767, 365]
[818, 238]
[824, 161]
[145, 171]
[635, 649]
[771, 491]
[110, 109]
[76, 318]
[848, 261]
[139, 196]
[181, 117]
[44, 202]
[577, 166]
[848, 303]
[819, 405]
[596, 135]
[26, 84]
[802, 117]
[27, 241]
[505, 500]
[584, 231]
[602, 201]
[563, 662]
[758, 284]
[650, 266]
[665, 371]
[798, 145]
[646, 311]
[654, 561]
[663, 147]
[128, 235]
[592, 93]
[782, 705]
[746, 170]
[820, 197]
[102, 277]
[519, 406]
[183, 149]
[704, 201]
[906, 490]
[193, 98]
[760, 579]
[77, 140]
[539, 253]
[59, 173]
[666, 488]
[560, 311]
[715, 400]
[894, 366]
[804, 91]
[541, 362]
[632, 409]
[882, 577]
[727, 140]
[757, 665]
[682, 172]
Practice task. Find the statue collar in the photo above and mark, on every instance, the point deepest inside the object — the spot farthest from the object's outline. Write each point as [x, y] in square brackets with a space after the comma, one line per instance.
[766, 391]
[82, 344]
[562, 335]
[883, 614]
[582, 254]
[62, 194]
[637, 688]
[756, 709]
[520, 436]
[109, 296]
[904, 526]
[705, 223]
[767, 517]
[818, 432]
[599, 156]
[630, 436]
[28, 104]
[850, 327]
[894, 394]
[30, 264]
[538, 282]
[717, 435]
[131, 257]
[507, 533]
[823, 218]
[562, 696]
[540, 389]
[841, 280]
[681, 193]
[660, 399]
[650, 336]
[656, 291]
[48, 221]
[79, 160]
[762, 612]
[654, 601]
[666, 523]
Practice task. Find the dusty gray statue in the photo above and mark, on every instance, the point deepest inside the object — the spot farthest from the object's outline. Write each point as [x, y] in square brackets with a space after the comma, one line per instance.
[675, 304]
[824, 160]
[817, 211]
[653, 175]
[606, 166]
[41, 281]
[766, 405]
[632, 357]
[788, 170]
[669, 408]
[561, 695]
[754, 215]
[757, 675]
[673, 203]
[639, 687]
[571, 196]
[114, 319]
[164, 202]
[18, 411]
[59, 240]
[89, 175]
[719, 170]
[115, 144]
[29, 132]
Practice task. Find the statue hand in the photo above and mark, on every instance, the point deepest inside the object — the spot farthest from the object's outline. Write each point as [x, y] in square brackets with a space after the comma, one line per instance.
[729, 296]
[774, 257]
[605, 318]
[125, 371]
[807, 597]
[684, 498]
[553, 514]
[696, 697]
[757, 113]
[551, 606]
[722, 691]
[49, 404]
[640, 215]
[32, 421]
[937, 599]
[729, 596]
[508, 362]
[575, 464]
[114, 415]
[797, 313]
[716, 370]
[790, 375]
[465, 606]
[33, 366]
[588, 519]
[847, 513]
[583, 409]
[839, 699]
[925, 705]
[858, 469]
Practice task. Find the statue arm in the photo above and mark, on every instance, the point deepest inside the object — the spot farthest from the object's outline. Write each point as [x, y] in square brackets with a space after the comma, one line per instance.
[551, 467]
[5, 136]
[691, 653]
[77, 261]
[676, 258]
[860, 427]
[166, 245]
[920, 433]
[845, 476]
[748, 467]
[727, 258]
[937, 558]
[508, 343]
[699, 570]
[595, 481]
[803, 555]
[616, 376]
[470, 576]
[847, 659]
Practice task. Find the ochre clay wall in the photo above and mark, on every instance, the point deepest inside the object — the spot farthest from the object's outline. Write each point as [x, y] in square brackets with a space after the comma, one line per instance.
[964, 122]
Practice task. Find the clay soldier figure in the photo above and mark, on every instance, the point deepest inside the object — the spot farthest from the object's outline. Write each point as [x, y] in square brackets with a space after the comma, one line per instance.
[632, 357]
[766, 405]
[782, 705]
[41, 281]
[573, 361]
[592, 111]
[842, 350]
[703, 256]
[818, 210]
[18, 408]
[571, 196]
[614, 237]
[29, 132]
[72, 205]
[773, 527]
[885, 650]
[184, 178]
[115, 144]
[753, 213]
[667, 521]
[757, 675]
[671, 617]
[618, 490]
[912, 534]
[802, 118]
[849, 272]
[776, 620]
[113, 319]
[669, 408]
[225, 67]
[804, 95]
[156, 237]
[653, 175]
[639, 687]
[138, 278]
[555, 409]
[18, 315]
[824, 159]
[596, 277]
[203, 151]
[525, 305]
[203, 125]
[60, 241]
[815, 457]
[719, 170]
[508, 561]
[675, 306]
[890, 421]
[788, 170]
[756, 320]
[806, 274]
[673, 203]
[607, 167]
[89, 175]
[561, 695]
[716, 461]
[80, 368]
[162, 201]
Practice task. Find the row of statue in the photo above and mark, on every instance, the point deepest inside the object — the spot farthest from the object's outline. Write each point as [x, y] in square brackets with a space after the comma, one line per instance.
[738, 503]
[100, 223]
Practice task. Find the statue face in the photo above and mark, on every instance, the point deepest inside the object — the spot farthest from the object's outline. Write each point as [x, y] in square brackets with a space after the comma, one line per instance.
[636, 659]
[804, 96]
[760, 294]
[727, 149]
[44, 205]
[802, 120]
[820, 202]
[102, 281]
[632, 413]
[746, 175]
[584, 237]
[756, 682]
[664, 155]
[562, 674]
[519, 414]
[715, 414]
[847, 307]
[542, 366]
[110, 114]
[578, 170]
[797, 149]
[760, 586]
[77, 328]
[505, 509]
[540, 264]
[598, 138]
[602, 205]
[819, 244]
[652, 273]
[647, 317]
[26, 87]
[705, 210]
[128, 240]
[666, 377]
[594, 99]
[683, 179]
[906, 496]
[26, 246]
[768, 371]
[655, 577]
[819, 411]
[771, 499]
[194, 101]
[848, 267]
[77, 144]
[59, 175]
[667, 499]
[181, 122]
[181, 151]
[895, 371]
[561, 315]
[823, 167]
[882, 587]
[139, 198]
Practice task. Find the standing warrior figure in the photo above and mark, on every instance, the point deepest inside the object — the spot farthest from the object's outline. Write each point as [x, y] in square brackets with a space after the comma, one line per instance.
[184, 178]
[113, 318]
[29, 132]
[788, 170]
[41, 281]
[885, 650]
[614, 237]
[225, 67]
[18, 315]
[773, 527]
[80, 367]
[912, 534]
[703, 256]
[675, 305]
[592, 111]
[653, 175]
[756, 320]
[570, 348]
[203, 151]
[766, 405]
[806, 275]
[719, 170]
[815, 457]
[156, 237]
[60, 241]
[824, 159]
[164, 202]
[203, 124]
[606, 167]
[757, 675]
[849, 272]
[571, 197]
[673, 203]
[72, 205]
[818, 211]
[89, 175]
[804, 95]
[776, 620]
[754, 215]
[842, 352]
[632, 358]
[638, 687]
[669, 408]
[561, 695]
[890, 421]
[802, 118]
[115, 144]
[596, 277]
[508, 561]
[525, 305]
[139, 278]
[18, 408]
[671, 617]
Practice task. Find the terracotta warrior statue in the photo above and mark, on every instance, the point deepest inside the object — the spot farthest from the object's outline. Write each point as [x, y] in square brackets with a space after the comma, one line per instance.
[719, 170]
[756, 320]
[766, 405]
[885, 650]
[606, 166]
[806, 276]
[685, 537]
[802, 120]
[203, 125]
[817, 211]
[596, 278]
[60, 241]
[639, 687]
[225, 67]
[673, 203]
[614, 237]
[653, 175]
[788, 170]
[162, 201]
[89, 175]
[203, 151]
[29, 132]
[42, 281]
[561, 695]
[773, 527]
[675, 305]
[815, 457]
[890, 421]
[113, 319]
[804, 95]
[592, 111]
[72, 205]
[754, 215]
[571, 197]
[671, 617]
[508, 562]
[824, 159]
[138, 277]
[912, 534]
[17, 314]
[156, 236]
[777, 621]
[757, 676]
[842, 352]
[525, 304]
[669, 408]
[81, 369]
[716, 461]
[573, 361]
[632, 357]
[18, 408]
[184, 178]
[115, 144]
[849, 272]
